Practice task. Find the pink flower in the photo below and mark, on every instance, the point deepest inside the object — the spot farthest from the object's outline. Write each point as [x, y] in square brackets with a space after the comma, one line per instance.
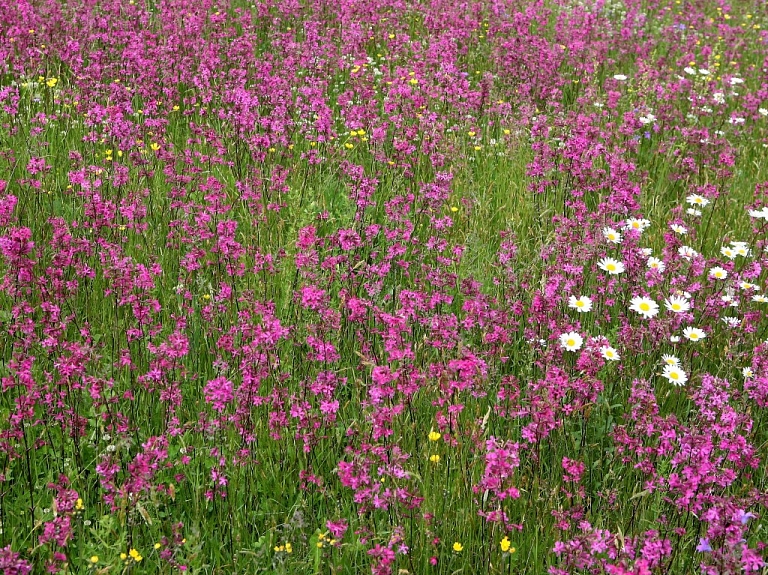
[218, 392]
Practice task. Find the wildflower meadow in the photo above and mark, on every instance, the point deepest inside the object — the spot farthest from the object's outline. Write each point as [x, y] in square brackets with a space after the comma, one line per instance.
[337, 287]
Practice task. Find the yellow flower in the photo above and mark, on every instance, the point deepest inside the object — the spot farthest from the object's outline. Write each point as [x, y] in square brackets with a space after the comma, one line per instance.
[51, 82]
[288, 548]
[135, 555]
[434, 458]
[434, 435]
[79, 504]
[458, 547]
[157, 546]
[123, 556]
[206, 297]
[505, 544]
[94, 558]
[155, 146]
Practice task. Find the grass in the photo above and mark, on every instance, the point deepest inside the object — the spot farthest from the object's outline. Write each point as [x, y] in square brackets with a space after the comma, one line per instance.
[277, 491]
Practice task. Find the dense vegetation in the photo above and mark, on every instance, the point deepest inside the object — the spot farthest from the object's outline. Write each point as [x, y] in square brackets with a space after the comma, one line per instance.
[383, 286]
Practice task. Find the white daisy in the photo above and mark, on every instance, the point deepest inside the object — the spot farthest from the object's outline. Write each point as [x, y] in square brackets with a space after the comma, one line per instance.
[675, 375]
[693, 212]
[728, 252]
[759, 298]
[646, 307]
[581, 304]
[761, 214]
[610, 265]
[670, 360]
[677, 304]
[687, 252]
[656, 264]
[742, 251]
[730, 300]
[674, 338]
[747, 372]
[638, 224]
[609, 353]
[749, 286]
[732, 322]
[619, 77]
[718, 273]
[689, 70]
[571, 341]
[697, 200]
[612, 235]
[694, 333]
